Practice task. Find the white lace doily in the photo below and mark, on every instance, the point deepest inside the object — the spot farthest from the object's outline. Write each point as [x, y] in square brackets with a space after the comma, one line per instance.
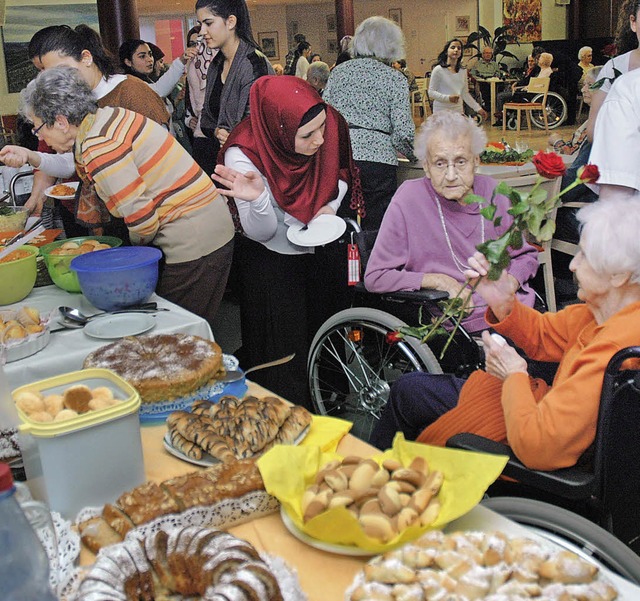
[223, 515]
[162, 409]
[68, 551]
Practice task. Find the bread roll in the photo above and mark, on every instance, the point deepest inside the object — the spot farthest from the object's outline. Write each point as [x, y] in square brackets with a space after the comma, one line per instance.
[77, 398]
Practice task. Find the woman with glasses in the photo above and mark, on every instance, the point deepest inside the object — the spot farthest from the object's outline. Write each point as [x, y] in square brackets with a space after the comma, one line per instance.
[142, 175]
[429, 231]
[82, 49]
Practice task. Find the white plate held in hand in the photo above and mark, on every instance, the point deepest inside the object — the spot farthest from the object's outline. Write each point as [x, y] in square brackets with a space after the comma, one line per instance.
[73, 185]
[322, 230]
[111, 327]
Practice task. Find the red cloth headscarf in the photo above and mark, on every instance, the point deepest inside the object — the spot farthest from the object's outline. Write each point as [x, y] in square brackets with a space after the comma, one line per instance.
[301, 185]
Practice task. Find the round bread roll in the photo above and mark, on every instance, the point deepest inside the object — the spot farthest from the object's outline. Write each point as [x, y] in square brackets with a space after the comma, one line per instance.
[102, 392]
[14, 332]
[93, 243]
[30, 402]
[77, 398]
[41, 416]
[64, 415]
[28, 316]
[53, 404]
[33, 328]
[69, 245]
[83, 249]
[98, 403]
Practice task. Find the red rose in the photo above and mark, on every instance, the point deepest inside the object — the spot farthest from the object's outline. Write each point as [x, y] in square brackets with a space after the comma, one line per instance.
[588, 174]
[393, 337]
[549, 164]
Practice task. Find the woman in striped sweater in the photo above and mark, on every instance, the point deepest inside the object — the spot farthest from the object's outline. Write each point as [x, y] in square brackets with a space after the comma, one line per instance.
[141, 173]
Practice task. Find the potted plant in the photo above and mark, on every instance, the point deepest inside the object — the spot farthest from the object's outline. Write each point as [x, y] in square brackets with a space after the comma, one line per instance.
[498, 42]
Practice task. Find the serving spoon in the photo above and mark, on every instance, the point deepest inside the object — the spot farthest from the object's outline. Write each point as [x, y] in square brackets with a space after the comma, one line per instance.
[233, 375]
[74, 315]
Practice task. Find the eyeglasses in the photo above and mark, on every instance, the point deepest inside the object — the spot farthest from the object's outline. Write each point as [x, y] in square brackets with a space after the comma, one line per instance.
[458, 165]
[35, 130]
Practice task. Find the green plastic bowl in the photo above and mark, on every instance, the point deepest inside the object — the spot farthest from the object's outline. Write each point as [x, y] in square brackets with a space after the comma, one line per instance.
[59, 265]
[18, 277]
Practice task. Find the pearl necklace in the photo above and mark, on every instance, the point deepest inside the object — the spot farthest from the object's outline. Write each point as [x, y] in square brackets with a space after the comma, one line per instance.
[458, 263]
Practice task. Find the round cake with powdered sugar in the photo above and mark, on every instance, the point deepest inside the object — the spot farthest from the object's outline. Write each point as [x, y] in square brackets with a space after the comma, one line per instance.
[161, 367]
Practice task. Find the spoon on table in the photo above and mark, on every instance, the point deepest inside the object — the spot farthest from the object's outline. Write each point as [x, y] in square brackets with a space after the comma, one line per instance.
[233, 375]
[75, 315]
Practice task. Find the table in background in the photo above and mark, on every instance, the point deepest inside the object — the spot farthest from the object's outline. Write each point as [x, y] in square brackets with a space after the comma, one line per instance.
[323, 576]
[67, 350]
[492, 81]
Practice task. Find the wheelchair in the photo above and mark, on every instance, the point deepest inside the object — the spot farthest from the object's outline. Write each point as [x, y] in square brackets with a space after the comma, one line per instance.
[556, 109]
[353, 362]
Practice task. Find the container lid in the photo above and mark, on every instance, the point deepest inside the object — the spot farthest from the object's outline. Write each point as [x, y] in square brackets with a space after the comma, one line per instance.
[92, 377]
[117, 259]
[6, 479]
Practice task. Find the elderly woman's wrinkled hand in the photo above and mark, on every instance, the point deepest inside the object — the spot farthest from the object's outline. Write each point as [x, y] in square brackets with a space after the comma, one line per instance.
[245, 186]
[501, 360]
[499, 294]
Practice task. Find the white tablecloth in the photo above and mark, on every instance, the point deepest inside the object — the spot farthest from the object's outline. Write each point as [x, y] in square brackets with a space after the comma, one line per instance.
[67, 349]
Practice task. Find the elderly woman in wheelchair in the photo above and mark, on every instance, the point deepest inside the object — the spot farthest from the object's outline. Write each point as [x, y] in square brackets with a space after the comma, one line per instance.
[428, 230]
[547, 427]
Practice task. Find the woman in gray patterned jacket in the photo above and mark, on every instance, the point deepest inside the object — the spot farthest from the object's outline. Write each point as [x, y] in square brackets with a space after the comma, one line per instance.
[225, 25]
[374, 99]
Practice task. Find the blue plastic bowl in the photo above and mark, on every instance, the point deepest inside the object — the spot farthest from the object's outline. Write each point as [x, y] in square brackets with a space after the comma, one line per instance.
[118, 277]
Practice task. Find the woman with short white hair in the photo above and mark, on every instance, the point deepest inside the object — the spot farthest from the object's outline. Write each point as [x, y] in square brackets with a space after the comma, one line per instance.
[429, 230]
[585, 55]
[374, 99]
[547, 426]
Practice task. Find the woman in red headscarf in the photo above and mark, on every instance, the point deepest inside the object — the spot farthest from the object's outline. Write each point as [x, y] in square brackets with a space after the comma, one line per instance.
[287, 163]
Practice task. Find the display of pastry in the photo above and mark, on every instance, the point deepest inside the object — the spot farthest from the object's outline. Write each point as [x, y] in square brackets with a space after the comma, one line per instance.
[191, 563]
[17, 325]
[161, 367]
[150, 500]
[236, 429]
[479, 565]
[385, 499]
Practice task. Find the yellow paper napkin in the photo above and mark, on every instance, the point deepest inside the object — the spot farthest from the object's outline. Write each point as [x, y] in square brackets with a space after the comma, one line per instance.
[287, 471]
[326, 432]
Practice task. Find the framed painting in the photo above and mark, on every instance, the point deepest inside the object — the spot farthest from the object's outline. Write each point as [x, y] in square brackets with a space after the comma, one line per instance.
[21, 22]
[268, 41]
[395, 14]
[331, 23]
[462, 23]
[525, 19]
[332, 46]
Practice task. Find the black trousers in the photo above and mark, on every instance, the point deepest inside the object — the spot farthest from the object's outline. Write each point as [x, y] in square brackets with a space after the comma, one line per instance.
[284, 299]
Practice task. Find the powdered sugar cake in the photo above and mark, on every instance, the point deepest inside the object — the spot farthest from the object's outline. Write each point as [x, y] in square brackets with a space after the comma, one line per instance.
[161, 367]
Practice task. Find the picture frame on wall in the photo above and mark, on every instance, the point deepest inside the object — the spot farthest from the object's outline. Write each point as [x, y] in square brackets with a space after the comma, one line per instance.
[332, 46]
[463, 23]
[331, 23]
[395, 14]
[268, 41]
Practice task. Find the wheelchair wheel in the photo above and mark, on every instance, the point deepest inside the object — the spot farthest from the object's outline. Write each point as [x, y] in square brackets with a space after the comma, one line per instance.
[351, 365]
[556, 111]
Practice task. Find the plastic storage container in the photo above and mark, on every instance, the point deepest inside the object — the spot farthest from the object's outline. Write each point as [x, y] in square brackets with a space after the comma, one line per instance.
[88, 460]
[24, 567]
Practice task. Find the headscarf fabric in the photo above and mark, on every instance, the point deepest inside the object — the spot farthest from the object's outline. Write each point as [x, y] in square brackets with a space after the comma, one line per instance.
[301, 185]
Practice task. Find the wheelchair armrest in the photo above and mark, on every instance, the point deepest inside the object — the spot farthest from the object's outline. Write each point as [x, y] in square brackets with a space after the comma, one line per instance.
[425, 295]
[569, 483]
[418, 297]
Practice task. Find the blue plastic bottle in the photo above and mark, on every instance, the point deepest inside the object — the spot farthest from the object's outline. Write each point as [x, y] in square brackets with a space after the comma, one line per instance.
[24, 566]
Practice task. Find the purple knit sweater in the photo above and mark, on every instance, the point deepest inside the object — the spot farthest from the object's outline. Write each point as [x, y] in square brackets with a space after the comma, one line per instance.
[411, 242]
